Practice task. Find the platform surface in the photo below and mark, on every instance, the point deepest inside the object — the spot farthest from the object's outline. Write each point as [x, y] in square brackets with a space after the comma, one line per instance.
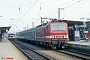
[81, 42]
[9, 52]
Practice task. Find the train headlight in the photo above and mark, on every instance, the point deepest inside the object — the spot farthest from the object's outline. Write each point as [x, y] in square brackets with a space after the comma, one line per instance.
[49, 36]
[66, 36]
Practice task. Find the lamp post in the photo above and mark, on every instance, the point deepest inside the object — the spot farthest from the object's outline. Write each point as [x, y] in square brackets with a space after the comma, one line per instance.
[59, 13]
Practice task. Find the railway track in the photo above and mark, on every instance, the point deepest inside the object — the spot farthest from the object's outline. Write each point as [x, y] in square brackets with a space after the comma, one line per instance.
[30, 53]
[70, 53]
[74, 54]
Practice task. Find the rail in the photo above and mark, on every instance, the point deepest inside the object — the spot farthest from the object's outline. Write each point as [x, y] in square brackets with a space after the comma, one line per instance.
[30, 53]
[75, 54]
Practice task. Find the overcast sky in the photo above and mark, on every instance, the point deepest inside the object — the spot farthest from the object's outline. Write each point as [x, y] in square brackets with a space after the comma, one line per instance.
[21, 13]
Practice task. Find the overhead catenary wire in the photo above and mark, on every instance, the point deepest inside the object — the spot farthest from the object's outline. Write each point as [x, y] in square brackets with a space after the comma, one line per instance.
[19, 7]
[28, 10]
[61, 5]
[26, 7]
[35, 4]
[52, 9]
[65, 7]
[26, 13]
[73, 4]
[56, 6]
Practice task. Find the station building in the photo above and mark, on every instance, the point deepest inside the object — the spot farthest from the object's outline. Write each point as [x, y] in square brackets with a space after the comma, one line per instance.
[3, 30]
[77, 29]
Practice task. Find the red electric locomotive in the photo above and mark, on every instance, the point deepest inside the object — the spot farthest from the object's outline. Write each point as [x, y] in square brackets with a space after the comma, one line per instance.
[54, 34]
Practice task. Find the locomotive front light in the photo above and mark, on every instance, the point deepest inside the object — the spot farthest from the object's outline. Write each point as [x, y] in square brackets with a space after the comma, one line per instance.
[52, 36]
[66, 36]
[49, 36]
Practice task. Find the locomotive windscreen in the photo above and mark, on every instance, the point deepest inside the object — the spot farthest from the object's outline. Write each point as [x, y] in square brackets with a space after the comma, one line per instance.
[58, 27]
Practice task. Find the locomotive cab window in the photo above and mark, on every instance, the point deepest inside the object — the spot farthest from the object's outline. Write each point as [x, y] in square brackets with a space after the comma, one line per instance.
[54, 27]
[62, 27]
[58, 27]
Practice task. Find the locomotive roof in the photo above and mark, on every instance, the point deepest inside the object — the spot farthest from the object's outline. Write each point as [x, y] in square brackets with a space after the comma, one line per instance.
[42, 25]
[46, 23]
[69, 22]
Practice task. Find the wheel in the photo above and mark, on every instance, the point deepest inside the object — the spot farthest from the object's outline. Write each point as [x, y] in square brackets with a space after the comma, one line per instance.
[54, 47]
[62, 47]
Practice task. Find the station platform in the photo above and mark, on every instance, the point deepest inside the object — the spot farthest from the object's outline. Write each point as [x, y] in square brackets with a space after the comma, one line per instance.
[81, 46]
[9, 52]
[81, 42]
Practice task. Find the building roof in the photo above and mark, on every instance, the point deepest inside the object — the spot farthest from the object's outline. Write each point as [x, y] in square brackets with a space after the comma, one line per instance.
[5, 27]
[71, 22]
